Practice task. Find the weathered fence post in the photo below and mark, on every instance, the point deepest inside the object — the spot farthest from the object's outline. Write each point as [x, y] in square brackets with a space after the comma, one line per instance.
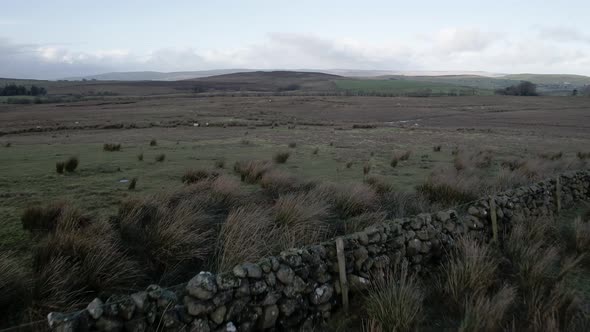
[342, 271]
[494, 217]
[558, 194]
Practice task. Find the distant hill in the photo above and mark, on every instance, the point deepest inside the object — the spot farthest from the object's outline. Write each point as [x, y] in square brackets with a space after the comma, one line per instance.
[155, 75]
[551, 79]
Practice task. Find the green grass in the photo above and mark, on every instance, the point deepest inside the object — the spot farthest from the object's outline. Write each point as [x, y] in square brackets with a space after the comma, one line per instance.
[402, 86]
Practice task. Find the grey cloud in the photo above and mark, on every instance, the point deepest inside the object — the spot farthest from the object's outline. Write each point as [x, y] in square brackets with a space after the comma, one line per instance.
[563, 34]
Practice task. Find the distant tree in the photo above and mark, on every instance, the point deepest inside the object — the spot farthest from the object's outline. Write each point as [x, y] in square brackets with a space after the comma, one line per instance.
[524, 88]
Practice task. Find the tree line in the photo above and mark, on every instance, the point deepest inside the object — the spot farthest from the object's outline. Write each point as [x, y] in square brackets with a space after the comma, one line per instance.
[524, 88]
[21, 90]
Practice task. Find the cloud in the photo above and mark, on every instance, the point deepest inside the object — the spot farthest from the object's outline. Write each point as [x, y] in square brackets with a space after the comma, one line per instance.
[563, 34]
[452, 48]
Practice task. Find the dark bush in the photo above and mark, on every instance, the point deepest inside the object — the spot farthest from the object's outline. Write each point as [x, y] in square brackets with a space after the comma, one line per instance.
[71, 164]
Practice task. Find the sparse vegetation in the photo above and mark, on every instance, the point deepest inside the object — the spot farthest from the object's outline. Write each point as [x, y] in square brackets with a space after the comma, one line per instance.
[437, 148]
[71, 164]
[132, 184]
[161, 157]
[111, 147]
[140, 157]
[153, 142]
[293, 145]
[281, 157]
[394, 161]
[59, 167]
[219, 163]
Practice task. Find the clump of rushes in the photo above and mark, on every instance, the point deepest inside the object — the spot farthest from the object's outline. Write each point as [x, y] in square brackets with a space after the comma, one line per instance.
[366, 168]
[59, 167]
[292, 145]
[281, 157]
[140, 157]
[219, 163]
[71, 164]
[245, 142]
[316, 151]
[393, 162]
[153, 142]
[437, 148]
[132, 184]
[161, 157]
[349, 164]
[111, 147]
[405, 155]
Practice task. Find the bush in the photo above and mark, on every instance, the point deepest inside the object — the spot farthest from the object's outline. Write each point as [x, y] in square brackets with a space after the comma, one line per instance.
[111, 147]
[193, 176]
[153, 142]
[395, 302]
[281, 157]
[161, 157]
[71, 164]
[132, 184]
[140, 157]
[59, 167]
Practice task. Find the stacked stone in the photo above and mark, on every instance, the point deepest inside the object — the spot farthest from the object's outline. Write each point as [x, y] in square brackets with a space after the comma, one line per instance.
[300, 288]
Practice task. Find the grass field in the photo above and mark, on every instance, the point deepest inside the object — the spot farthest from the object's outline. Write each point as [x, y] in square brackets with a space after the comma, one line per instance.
[405, 86]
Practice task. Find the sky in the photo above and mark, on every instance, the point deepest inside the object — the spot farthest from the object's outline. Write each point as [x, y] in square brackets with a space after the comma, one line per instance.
[64, 38]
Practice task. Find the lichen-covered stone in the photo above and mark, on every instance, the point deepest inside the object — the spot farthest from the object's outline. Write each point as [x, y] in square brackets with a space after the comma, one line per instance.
[285, 274]
[218, 315]
[269, 317]
[94, 308]
[252, 270]
[203, 286]
[197, 307]
[322, 294]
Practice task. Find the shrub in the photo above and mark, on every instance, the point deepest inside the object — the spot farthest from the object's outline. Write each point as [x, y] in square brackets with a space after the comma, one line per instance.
[437, 148]
[247, 235]
[153, 142]
[252, 171]
[140, 157]
[132, 184]
[395, 301]
[281, 157]
[71, 164]
[161, 157]
[196, 175]
[219, 163]
[292, 144]
[394, 161]
[111, 147]
[59, 167]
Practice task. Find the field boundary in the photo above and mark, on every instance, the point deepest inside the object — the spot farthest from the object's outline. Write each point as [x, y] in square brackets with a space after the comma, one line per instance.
[299, 288]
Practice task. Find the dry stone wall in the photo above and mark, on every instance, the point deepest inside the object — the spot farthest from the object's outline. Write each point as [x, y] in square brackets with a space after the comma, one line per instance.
[300, 288]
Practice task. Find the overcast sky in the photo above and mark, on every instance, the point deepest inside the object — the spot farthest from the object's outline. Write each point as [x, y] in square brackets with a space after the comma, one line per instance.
[61, 38]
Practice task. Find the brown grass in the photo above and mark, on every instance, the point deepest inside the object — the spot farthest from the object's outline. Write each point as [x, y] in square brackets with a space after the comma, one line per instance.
[300, 219]
[281, 157]
[195, 175]
[14, 281]
[251, 171]
[247, 235]
[354, 199]
[395, 302]
[292, 145]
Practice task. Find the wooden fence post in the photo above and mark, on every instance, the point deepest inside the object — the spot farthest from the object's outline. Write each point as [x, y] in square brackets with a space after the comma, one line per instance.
[342, 271]
[558, 194]
[494, 217]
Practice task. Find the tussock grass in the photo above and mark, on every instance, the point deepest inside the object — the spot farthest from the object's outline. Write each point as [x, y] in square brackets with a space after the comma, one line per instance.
[300, 219]
[446, 193]
[469, 272]
[394, 161]
[551, 156]
[315, 151]
[293, 145]
[160, 158]
[405, 156]
[140, 157]
[36, 218]
[437, 148]
[14, 281]
[153, 142]
[362, 221]
[488, 313]
[71, 164]
[400, 204]
[583, 155]
[366, 169]
[281, 157]
[219, 163]
[251, 171]
[247, 235]
[349, 164]
[352, 200]
[132, 184]
[379, 184]
[195, 175]
[110, 147]
[278, 182]
[395, 302]
[59, 167]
